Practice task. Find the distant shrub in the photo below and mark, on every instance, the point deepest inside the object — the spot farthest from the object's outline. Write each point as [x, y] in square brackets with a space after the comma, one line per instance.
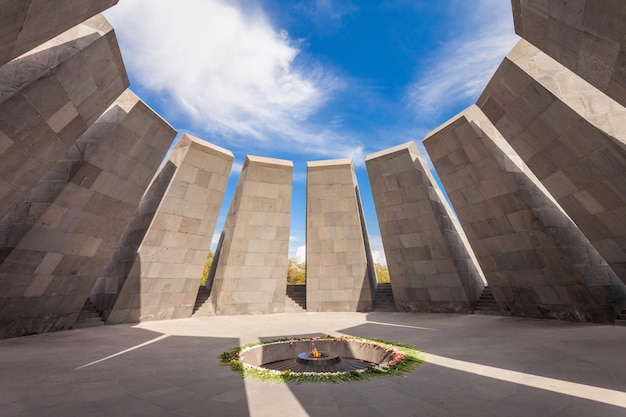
[207, 268]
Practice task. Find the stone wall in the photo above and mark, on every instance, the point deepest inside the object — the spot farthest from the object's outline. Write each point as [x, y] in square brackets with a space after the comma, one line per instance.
[537, 178]
[48, 99]
[586, 36]
[251, 272]
[571, 136]
[535, 259]
[338, 275]
[164, 278]
[430, 263]
[58, 239]
[29, 23]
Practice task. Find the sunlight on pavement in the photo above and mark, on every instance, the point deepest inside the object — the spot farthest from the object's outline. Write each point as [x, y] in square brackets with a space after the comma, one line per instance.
[588, 392]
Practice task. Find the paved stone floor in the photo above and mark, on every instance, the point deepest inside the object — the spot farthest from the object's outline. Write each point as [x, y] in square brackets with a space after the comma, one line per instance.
[477, 366]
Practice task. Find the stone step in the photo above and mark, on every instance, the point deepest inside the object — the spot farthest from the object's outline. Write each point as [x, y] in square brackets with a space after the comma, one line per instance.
[489, 305]
[380, 296]
[292, 307]
[200, 301]
[487, 297]
[383, 299]
[621, 318]
[84, 313]
[385, 307]
[488, 312]
[296, 298]
[88, 319]
[486, 304]
[201, 298]
[88, 324]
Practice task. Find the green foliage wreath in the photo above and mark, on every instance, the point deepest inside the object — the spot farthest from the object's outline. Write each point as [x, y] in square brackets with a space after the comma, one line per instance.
[405, 358]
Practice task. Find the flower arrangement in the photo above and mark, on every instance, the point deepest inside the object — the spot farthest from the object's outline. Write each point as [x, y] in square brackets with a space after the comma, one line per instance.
[403, 359]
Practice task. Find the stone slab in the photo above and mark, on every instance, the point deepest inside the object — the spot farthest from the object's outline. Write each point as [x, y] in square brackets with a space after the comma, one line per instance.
[49, 97]
[430, 263]
[535, 259]
[586, 36]
[572, 137]
[250, 268]
[157, 269]
[27, 24]
[59, 237]
[339, 269]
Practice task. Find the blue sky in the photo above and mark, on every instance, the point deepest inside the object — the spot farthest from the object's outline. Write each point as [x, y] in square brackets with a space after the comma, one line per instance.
[313, 79]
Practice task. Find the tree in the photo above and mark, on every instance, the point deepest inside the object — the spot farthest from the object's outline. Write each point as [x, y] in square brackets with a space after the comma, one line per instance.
[296, 272]
[207, 268]
[382, 273]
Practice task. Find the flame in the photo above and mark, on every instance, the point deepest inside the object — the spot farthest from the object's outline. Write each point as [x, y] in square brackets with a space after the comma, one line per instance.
[314, 351]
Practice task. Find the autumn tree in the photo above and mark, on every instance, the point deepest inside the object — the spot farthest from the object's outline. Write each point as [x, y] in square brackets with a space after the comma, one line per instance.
[207, 268]
[296, 272]
[382, 273]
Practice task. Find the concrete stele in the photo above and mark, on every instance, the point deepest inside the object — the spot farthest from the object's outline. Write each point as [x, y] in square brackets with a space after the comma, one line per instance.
[61, 236]
[27, 24]
[251, 272]
[430, 262]
[339, 275]
[573, 138]
[48, 99]
[586, 36]
[535, 259]
[163, 280]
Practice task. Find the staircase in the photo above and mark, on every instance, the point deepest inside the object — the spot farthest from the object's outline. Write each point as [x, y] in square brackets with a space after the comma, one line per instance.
[203, 295]
[621, 318]
[88, 317]
[383, 300]
[486, 304]
[296, 298]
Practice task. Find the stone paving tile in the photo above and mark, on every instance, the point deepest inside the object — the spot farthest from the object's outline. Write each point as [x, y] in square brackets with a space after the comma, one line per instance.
[180, 375]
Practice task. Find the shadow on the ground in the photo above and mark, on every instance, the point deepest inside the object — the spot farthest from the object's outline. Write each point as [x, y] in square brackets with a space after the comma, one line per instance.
[123, 372]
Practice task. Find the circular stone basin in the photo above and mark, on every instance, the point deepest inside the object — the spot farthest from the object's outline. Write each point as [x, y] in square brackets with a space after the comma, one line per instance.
[324, 359]
[338, 355]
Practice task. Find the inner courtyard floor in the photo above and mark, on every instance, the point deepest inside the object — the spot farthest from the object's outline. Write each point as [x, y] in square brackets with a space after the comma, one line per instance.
[475, 366]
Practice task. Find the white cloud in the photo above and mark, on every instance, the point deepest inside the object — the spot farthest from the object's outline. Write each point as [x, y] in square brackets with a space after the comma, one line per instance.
[299, 177]
[236, 169]
[301, 253]
[376, 249]
[333, 9]
[228, 71]
[462, 67]
[215, 240]
[379, 257]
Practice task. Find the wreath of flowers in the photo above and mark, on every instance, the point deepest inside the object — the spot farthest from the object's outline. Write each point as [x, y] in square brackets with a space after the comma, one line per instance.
[404, 358]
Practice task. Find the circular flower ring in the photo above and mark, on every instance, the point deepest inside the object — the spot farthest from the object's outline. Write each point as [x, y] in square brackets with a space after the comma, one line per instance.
[397, 359]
